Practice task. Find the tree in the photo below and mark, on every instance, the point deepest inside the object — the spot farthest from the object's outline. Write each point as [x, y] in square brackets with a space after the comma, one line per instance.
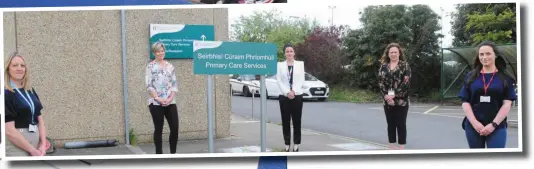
[321, 51]
[364, 47]
[270, 26]
[423, 52]
[254, 28]
[413, 27]
[483, 16]
[491, 26]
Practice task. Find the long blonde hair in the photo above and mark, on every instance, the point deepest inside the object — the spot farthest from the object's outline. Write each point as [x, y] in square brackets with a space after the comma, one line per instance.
[7, 77]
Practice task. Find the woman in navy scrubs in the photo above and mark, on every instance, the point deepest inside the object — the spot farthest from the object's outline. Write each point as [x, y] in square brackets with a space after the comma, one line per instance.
[487, 97]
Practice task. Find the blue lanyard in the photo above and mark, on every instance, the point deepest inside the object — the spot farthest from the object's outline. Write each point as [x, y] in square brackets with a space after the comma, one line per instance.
[29, 100]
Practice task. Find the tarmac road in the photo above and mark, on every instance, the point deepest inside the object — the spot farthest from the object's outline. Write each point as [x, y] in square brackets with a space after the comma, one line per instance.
[428, 127]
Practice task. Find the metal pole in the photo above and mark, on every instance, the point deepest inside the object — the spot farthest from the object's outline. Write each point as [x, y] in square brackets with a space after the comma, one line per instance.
[16, 34]
[332, 14]
[210, 108]
[455, 79]
[124, 79]
[210, 113]
[442, 79]
[263, 105]
[442, 21]
[253, 104]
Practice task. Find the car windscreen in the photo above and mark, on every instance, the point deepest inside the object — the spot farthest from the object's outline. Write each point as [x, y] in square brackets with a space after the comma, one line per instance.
[248, 77]
[309, 77]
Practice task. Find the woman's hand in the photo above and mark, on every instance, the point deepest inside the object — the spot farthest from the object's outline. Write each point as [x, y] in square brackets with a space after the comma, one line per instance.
[160, 100]
[487, 130]
[43, 142]
[478, 126]
[391, 102]
[35, 152]
[167, 101]
[291, 94]
[42, 148]
[388, 97]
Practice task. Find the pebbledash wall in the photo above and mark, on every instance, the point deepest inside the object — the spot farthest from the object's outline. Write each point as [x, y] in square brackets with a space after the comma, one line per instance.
[75, 63]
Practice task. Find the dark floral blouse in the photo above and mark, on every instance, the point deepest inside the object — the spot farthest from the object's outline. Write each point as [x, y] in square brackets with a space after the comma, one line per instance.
[397, 79]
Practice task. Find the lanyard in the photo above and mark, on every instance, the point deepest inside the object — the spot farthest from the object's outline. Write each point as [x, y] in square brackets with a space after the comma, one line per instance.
[289, 73]
[29, 100]
[484, 81]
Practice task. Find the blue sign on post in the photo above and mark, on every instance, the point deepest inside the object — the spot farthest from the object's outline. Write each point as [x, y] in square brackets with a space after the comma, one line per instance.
[216, 57]
[178, 38]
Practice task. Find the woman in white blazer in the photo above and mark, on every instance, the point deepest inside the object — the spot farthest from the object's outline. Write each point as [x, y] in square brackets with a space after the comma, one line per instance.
[290, 77]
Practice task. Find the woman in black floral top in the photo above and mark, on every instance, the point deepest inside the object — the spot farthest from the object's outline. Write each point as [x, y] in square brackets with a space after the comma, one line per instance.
[394, 81]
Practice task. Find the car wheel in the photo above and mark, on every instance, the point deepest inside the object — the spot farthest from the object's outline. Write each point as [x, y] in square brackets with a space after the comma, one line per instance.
[246, 92]
[322, 99]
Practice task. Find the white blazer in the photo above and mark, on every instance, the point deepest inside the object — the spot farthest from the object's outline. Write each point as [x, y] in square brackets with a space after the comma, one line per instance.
[283, 78]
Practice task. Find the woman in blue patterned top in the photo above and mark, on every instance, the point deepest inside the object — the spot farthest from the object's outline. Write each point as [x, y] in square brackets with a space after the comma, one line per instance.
[161, 84]
[487, 97]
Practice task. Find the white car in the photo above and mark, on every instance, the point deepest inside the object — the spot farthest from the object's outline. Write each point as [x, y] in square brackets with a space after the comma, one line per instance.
[244, 84]
[313, 88]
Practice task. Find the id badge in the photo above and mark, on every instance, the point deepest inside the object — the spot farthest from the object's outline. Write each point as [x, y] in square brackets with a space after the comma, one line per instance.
[32, 128]
[485, 99]
[391, 92]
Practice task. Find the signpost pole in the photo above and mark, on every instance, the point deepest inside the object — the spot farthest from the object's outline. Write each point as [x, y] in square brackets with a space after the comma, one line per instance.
[210, 108]
[210, 60]
[210, 113]
[263, 105]
[253, 105]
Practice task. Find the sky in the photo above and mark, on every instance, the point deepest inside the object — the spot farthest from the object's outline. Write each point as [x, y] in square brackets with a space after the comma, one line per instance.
[344, 13]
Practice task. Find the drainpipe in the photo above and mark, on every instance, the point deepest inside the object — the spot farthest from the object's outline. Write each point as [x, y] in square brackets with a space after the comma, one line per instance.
[124, 80]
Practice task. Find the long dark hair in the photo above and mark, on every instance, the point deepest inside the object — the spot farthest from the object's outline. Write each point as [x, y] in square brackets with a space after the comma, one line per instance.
[499, 63]
[385, 57]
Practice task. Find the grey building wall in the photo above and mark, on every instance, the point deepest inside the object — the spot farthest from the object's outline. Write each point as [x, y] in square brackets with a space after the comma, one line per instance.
[75, 64]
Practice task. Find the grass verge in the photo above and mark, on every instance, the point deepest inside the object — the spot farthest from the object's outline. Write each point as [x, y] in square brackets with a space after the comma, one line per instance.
[354, 95]
[345, 94]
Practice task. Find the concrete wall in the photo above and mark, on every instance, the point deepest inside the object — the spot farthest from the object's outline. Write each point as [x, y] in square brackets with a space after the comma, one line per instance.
[75, 62]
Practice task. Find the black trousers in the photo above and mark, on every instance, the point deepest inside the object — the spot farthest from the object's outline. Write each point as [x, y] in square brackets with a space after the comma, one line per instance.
[396, 120]
[291, 110]
[171, 114]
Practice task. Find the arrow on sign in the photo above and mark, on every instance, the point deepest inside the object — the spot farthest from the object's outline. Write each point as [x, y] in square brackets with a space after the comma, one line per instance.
[203, 37]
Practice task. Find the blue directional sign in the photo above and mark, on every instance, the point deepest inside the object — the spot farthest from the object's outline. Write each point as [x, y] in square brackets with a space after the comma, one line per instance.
[178, 38]
[216, 57]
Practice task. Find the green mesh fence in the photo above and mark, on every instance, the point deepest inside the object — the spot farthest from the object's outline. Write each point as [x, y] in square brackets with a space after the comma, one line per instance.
[456, 62]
